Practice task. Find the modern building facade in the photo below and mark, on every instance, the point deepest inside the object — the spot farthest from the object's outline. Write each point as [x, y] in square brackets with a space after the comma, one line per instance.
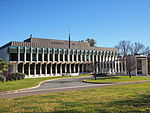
[143, 65]
[37, 57]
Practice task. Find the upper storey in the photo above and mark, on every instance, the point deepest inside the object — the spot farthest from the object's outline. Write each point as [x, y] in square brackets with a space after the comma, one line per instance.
[60, 44]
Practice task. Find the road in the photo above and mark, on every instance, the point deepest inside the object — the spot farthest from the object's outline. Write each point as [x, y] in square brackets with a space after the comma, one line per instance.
[59, 85]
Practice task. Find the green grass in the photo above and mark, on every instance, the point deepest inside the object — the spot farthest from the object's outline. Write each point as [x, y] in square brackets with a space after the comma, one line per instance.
[26, 83]
[115, 79]
[132, 98]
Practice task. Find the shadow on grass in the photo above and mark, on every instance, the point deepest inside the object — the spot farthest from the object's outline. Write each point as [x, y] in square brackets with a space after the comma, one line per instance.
[140, 104]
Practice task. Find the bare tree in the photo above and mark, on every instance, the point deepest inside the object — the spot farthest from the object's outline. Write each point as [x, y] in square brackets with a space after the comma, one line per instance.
[124, 47]
[137, 48]
[131, 64]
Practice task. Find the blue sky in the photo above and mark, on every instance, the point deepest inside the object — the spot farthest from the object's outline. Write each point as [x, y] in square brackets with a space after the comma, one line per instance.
[107, 21]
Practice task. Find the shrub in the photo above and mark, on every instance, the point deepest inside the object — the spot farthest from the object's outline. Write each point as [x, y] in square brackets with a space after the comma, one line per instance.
[9, 76]
[22, 75]
[2, 78]
[14, 76]
[18, 76]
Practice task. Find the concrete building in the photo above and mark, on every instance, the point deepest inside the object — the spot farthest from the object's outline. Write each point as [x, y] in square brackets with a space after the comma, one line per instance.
[37, 57]
[143, 65]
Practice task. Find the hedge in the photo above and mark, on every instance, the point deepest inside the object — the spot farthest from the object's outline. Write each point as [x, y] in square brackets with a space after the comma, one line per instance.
[15, 76]
[2, 78]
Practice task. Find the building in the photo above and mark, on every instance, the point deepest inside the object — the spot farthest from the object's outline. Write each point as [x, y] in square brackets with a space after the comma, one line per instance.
[143, 65]
[37, 57]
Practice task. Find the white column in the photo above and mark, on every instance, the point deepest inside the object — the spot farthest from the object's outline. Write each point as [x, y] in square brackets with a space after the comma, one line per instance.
[69, 68]
[18, 54]
[68, 57]
[76, 57]
[104, 63]
[43, 55]
[46, 69]
[113, 68]
[109, 61]
[60, 68]
[81, 58]
[37, 57]
[29, 70]
[56, 69]
[145, 66]
[53, 57]
[72, 57]
[58, 57]
[31, 55]
[74, 69]
[48, 56]
[16, 68]
[97, 63]
[40, 69]
[23, 68]
[78, 68]
[116, 64]
[63, 57]
[100, 60]
[89, 57]
[35, 69]
[65, 68]
[24, 54]
[50, 69]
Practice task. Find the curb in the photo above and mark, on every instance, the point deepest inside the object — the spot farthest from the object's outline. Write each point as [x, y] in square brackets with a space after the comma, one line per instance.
[13, 91]
[117, 82]
[30, 87]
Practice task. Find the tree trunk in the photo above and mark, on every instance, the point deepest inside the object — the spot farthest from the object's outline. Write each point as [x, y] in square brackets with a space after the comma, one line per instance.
[129, 75]
[95, 76]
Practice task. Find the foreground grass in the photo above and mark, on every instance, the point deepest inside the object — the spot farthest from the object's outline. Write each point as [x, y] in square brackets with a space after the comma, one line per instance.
[115, 79]
[133, 98]
[28, 82]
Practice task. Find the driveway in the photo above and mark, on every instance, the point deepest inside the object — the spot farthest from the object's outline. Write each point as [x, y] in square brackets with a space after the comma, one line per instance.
[63, 83]
[60, 85]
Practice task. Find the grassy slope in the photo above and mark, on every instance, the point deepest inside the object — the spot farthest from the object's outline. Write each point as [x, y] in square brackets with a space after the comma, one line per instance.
[133, 98]
[26, 83]
[114, 79]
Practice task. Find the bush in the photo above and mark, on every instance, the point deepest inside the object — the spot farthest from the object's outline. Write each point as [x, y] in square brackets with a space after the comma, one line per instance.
[15, 76]
[100, 74]
[2, 78]
[9, 77]
[22, 75]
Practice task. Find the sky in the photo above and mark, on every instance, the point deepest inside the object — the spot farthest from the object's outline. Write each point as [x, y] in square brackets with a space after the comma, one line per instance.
[106, 21]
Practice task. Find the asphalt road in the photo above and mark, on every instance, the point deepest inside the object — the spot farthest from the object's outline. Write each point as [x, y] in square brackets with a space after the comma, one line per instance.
[63, 83]
[59, 85]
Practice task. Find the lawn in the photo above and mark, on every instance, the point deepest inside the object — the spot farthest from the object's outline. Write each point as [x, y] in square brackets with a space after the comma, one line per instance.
[26, 83]
[132, 98]
[116, 79]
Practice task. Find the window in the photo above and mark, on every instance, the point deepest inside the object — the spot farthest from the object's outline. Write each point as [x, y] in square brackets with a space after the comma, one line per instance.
[75, 58]
[21, 56]
[13, 57]
[83, 57]
[66, 58]
[79, 58]
[61, 57]
[28, 57]
[45, 57]
[70, 57]
[87, 57]
[51, 57]
[56, 57]
[40, 57]
[33, 57]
